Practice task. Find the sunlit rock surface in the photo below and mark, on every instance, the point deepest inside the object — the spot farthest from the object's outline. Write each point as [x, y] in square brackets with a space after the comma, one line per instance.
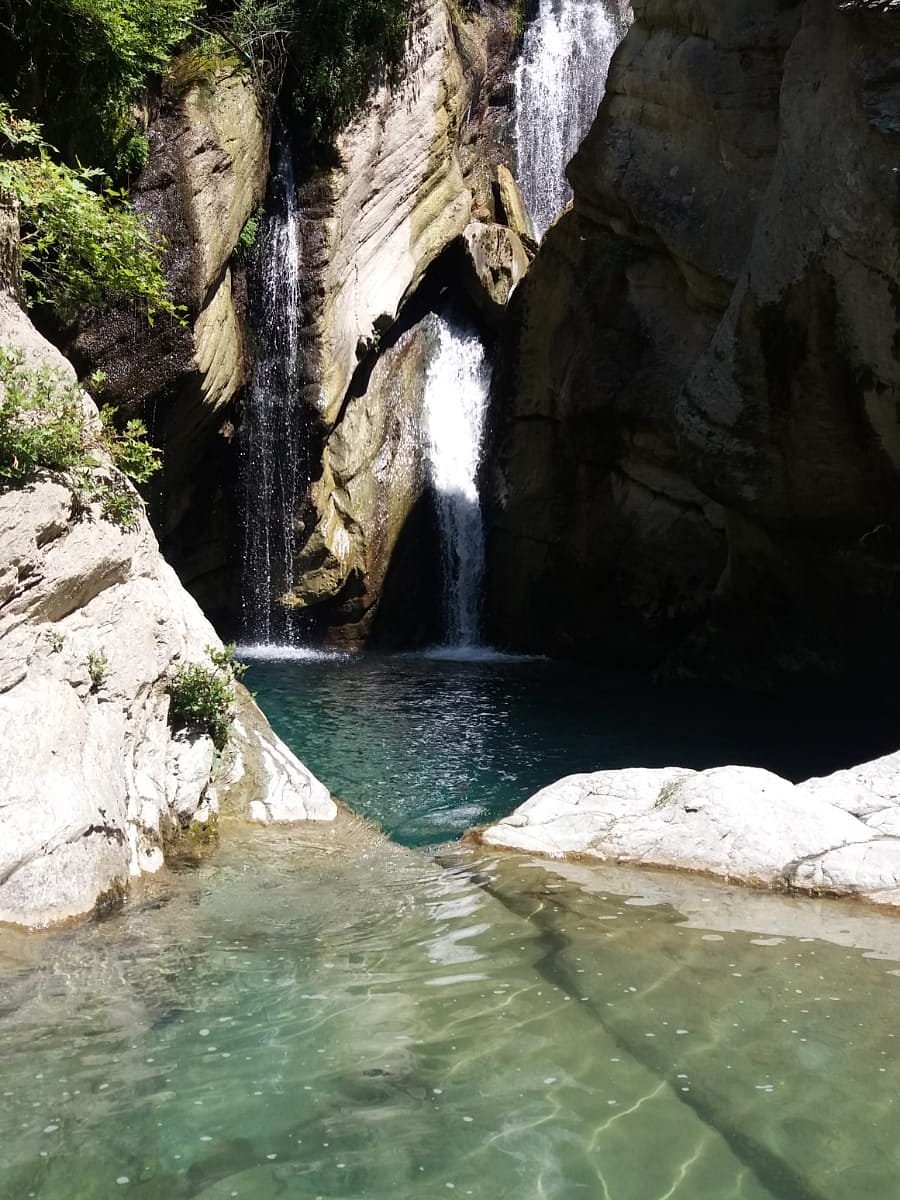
[839, 834]
[94, 785]
[397, 199]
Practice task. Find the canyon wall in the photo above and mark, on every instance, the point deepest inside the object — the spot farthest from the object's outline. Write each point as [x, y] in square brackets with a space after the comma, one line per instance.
[696, 430]
[205, 178]
[413, 213]
[97, 784]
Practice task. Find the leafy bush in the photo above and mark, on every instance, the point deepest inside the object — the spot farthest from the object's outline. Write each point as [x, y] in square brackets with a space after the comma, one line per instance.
[82, 64]
[321, 56]
[41, 422]
[98, 669]
[44, 426]
[202, 696]
[80, 247]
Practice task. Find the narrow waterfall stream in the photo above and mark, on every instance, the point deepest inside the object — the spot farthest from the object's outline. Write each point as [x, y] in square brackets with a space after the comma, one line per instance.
[456, 399]
[273, 460]
[559, 83]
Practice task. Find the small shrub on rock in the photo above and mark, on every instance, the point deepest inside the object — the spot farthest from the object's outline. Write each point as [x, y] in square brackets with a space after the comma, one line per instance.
[44, 426]
[202, 696]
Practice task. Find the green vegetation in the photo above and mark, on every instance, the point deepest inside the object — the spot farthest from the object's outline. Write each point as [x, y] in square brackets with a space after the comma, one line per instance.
[98, 668]
[80, 247]
[202, 696]
[41, 422]
[56, 640]
[44, 427]
[80, 68]
[339, 51]
[78, 75]
[248, 235]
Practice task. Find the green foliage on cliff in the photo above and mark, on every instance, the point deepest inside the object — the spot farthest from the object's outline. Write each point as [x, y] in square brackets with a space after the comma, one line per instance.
[80, 246]
[202, 696]
[80, 66]
[44, 427]
[321, 57]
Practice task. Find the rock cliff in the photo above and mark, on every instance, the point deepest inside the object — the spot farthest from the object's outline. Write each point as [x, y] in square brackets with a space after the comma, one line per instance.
[696, 433]
[415, 206]
[95, 785]
[205, 177]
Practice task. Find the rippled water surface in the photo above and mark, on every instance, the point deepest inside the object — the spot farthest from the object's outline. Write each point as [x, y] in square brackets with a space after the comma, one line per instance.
[323, 1013]
[286, 1022]
[428, 746]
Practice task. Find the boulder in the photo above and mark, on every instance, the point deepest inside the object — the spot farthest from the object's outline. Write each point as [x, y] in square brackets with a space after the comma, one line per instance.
[494, 262]
[837, 835]
[94, 783]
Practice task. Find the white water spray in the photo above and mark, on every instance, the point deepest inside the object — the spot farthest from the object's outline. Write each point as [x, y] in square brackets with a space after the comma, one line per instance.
[274, 470]
[456, 397]
[559, 83]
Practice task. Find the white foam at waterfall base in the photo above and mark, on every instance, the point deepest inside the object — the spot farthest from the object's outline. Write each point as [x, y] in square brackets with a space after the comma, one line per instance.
[456, 395]
[560, 80]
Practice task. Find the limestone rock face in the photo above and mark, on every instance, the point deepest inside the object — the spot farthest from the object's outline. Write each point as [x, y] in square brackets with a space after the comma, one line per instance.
[496, 261]
[837, 835]
[93, 782]
[376, 222]
[696, 390]
[206, 175]
[373, 477]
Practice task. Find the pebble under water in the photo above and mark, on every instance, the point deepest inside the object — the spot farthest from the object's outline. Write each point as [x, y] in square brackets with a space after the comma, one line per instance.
[320, 1012]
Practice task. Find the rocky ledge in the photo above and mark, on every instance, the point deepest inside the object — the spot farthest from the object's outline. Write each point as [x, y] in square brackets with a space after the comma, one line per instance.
[97, 783]
[837, 835]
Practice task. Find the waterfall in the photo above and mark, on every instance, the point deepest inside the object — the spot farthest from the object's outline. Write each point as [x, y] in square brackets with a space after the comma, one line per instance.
[273, 455]
[559, 83]
[456, 397]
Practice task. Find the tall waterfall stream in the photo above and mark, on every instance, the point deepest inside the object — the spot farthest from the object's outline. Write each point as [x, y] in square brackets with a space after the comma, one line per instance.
[559, 83]
[456, 398]
[273, 466]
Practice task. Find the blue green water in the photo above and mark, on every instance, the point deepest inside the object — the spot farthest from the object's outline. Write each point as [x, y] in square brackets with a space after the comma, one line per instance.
[320, 1014]
[292, 1019]
[428, 746]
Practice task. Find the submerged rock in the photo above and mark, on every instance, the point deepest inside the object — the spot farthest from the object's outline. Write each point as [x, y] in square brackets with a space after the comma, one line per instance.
[94, 783]
[837, 835]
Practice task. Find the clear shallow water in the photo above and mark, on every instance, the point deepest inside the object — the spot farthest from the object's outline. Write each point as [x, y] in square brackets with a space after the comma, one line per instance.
[429, 745]
[283, 1022]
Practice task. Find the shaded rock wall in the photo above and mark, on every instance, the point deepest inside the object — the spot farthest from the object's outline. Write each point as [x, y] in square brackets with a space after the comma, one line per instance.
[696, 422]
[206, 175]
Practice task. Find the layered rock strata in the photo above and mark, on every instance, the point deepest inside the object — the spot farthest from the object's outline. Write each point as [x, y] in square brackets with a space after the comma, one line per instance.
[415, 206]
[836, 835]
[696, 395]
[205, 177]
[94, 783]
[373, 477]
